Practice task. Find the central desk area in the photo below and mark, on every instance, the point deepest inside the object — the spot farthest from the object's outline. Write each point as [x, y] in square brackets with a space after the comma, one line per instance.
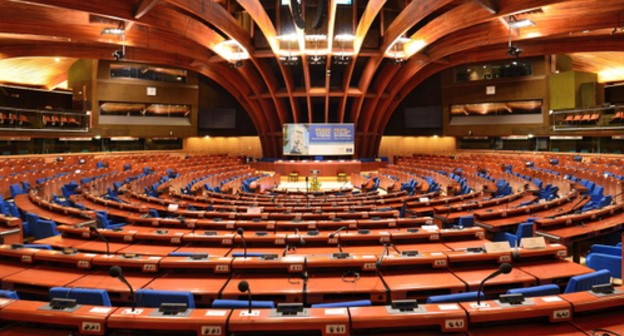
[324, 168]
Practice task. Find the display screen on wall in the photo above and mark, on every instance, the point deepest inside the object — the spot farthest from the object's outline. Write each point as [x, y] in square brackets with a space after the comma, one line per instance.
[318, 139]
[498, 108]
[217, 118]
[423, 117]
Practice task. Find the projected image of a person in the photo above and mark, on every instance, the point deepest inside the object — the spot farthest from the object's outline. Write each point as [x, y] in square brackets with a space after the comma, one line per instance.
[298, 142]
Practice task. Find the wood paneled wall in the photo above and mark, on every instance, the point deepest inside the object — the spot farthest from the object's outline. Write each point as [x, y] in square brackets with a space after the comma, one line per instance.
[408, 145]
[233, 146]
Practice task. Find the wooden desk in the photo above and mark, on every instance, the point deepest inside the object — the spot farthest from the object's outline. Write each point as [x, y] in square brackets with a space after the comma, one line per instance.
[379, 319]
[81, 244]
[38, 280]
[23, 202]
[319, 321]
[609, 320]
[116, 289]
[211, 251]
[423, 284]
[333, 288]
[7, 269]
[527, 328]
[554, 271]
[87, 320]
[200, 321]
[553, 308]
[587, 301]
[573, 235]
[148, 249]
[140, 263]
[473, 275]
[205, 288]
[275, 288]
[20, 330]
[325, 168]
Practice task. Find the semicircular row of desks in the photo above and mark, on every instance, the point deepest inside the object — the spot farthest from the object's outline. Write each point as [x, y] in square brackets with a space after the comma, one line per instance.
[591, 312]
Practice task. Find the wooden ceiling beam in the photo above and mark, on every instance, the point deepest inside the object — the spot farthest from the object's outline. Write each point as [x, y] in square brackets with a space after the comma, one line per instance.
[489, 5]
[143, 8]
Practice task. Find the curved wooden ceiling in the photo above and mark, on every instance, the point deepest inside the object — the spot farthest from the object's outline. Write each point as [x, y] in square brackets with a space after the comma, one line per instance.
[434, 34]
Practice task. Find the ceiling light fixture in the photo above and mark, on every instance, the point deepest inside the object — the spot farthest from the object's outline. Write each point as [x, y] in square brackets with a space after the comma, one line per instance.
[233, 52]
[512, 50]
[520, 23]
[113, 31]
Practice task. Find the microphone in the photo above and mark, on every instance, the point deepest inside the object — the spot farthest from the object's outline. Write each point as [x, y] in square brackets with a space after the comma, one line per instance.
[95, 231]
[582, 198]
[333, 234]
[504, 268]
[240, 231]
[616, 196]
[301, 240]
[385, 252]
[115, 272]
[444, 221]
[243, 287]
[337, 233]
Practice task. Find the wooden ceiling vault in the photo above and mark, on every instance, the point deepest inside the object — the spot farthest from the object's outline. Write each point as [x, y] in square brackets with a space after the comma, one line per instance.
[395, 45]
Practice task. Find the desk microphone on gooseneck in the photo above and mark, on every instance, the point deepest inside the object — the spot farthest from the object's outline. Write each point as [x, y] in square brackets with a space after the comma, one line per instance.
[504, 268]
[97, 232]
[115, 272]
[337, 235]
[243, 287]
[240, 232]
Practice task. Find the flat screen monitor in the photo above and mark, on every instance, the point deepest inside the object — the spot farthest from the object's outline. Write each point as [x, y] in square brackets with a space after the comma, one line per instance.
[318, 139]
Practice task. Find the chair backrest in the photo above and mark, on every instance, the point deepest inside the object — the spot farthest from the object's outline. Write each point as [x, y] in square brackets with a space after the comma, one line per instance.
[32, 218]
[89, 296]
[154, 298]
[8, 294]
[524, 230]
[233, 304]
[466, 221]
[39, 246]
[585, 282]
[356, 303]
[542, 290]
[44, 228]
[16, 189]
[601, 261]
[606, 249]
[457, 297]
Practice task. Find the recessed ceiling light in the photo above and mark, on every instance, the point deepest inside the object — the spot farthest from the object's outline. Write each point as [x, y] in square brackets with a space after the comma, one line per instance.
[521, 23]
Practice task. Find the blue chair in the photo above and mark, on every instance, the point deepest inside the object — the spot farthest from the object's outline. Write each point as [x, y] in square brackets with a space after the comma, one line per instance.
[89, 296]
[9, 294]
[25, 186]
[15, 189]
[249, 254]
[31, 221]
[39, 246]
[542, 290]
[154, 298]
[356, 303]
[524, 230]
[601, 261]
[466, 221]
[13, 210]
[457, 297]
[102, 220]
[585, 282]
[606, 249]
[234, 304]
[44, 228]
[153, 213]
[186, 254]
